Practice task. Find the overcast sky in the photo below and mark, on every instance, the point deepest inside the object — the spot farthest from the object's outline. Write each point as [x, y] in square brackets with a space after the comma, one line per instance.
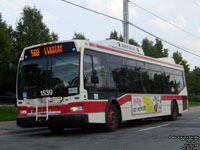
[65, 19]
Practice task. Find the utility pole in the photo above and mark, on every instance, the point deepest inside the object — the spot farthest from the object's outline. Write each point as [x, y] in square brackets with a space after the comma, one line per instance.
[125, 21]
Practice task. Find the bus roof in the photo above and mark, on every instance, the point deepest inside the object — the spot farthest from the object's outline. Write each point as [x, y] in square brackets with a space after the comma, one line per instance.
[118, 48]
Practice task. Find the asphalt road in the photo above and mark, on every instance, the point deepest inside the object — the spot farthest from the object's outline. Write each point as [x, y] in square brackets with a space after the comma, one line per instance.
[143, 135]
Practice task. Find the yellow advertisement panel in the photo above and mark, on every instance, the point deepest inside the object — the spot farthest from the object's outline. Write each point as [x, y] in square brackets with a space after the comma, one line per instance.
[146, 104]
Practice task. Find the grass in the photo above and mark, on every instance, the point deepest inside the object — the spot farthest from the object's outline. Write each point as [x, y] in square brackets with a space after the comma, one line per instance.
[8, 113]
[194, 104]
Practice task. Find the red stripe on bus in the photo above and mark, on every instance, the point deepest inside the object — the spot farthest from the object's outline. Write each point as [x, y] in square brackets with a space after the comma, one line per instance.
[134, 55]
[124, 99]
[167, 98]
[88, 107]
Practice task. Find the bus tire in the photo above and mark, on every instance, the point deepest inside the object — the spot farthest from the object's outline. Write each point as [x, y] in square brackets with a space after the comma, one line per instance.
[112, 118]
[174, 111]
[56, 129]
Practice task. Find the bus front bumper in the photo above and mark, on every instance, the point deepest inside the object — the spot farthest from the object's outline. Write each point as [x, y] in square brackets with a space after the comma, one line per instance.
[70, 121]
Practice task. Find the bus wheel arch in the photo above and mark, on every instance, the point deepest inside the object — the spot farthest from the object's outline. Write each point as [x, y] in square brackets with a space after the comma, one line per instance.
[113, 115]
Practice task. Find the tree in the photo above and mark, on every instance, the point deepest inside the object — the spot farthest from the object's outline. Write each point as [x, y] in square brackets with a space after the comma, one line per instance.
[80, 36]
[154, 50]
[31, 30]
[179, 60]
[7, 56]
[147, 47]
[194, 85]
[114, 35]
[159, 50]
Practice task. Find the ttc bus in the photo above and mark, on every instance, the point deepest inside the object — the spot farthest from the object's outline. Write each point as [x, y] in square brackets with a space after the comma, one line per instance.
[75, 83]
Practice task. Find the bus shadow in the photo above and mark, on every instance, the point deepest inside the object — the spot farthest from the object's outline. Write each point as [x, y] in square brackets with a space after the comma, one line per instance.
[99, 128]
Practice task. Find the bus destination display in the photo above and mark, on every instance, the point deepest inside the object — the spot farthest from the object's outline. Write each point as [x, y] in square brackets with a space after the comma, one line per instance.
[49, 50]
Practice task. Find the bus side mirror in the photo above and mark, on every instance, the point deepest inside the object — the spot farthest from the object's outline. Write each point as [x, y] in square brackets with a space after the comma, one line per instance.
[94, 77]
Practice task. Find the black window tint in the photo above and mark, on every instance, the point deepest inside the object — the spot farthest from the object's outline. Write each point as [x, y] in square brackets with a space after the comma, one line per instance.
[94, 61]
[157, 82]
[168, 70]
[146, 81]
[134, 81]
[140, 64]
[179, 83]
[155, 68]
[178, 72]
[121, 75]
[146, 66]
[87, 70]
[114, 59]
[131, 63]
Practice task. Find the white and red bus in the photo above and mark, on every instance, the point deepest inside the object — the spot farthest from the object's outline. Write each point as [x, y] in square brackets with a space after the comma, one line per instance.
[74, 83]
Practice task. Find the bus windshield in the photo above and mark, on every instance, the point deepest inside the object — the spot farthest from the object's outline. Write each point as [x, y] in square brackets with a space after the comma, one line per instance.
[56, 72]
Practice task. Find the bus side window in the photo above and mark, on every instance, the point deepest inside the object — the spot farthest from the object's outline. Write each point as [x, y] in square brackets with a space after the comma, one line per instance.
[93, 62]
[87, 70]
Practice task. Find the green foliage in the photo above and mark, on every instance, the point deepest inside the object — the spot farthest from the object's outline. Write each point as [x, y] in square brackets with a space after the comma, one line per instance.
[31, 30]
[114, 35]
[191, 104]
[8, 113]
[194, 85]
[7, 56]
[154, 50]
[80, 36]
[179, 60]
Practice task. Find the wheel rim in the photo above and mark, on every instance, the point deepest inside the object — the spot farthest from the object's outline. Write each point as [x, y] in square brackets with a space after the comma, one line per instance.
[112, 117]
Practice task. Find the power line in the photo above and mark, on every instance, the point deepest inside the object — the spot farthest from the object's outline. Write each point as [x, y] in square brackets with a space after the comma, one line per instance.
[139, 28]
[197, 3]
[174, 45]
[175, 26]
[94, 11]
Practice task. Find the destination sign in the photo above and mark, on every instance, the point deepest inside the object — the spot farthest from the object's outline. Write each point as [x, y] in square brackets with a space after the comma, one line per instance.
[49, 49]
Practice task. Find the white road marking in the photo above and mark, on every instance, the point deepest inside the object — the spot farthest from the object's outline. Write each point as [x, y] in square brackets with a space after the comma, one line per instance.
[154, 127]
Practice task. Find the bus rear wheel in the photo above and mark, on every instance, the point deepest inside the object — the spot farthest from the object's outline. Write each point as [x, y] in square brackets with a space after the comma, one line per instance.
[112, 121]
[174, 111]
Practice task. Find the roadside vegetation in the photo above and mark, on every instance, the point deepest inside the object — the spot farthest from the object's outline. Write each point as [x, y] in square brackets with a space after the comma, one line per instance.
[191, 104]
[8, 113]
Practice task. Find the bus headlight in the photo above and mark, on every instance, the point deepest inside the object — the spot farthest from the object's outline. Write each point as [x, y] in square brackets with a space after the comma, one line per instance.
[23, 112]
[76, 108]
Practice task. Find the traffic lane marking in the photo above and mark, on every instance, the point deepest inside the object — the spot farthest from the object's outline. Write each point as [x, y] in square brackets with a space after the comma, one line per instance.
[155, 127]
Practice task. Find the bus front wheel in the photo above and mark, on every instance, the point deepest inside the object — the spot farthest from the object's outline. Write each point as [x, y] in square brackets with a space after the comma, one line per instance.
[112, 118]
